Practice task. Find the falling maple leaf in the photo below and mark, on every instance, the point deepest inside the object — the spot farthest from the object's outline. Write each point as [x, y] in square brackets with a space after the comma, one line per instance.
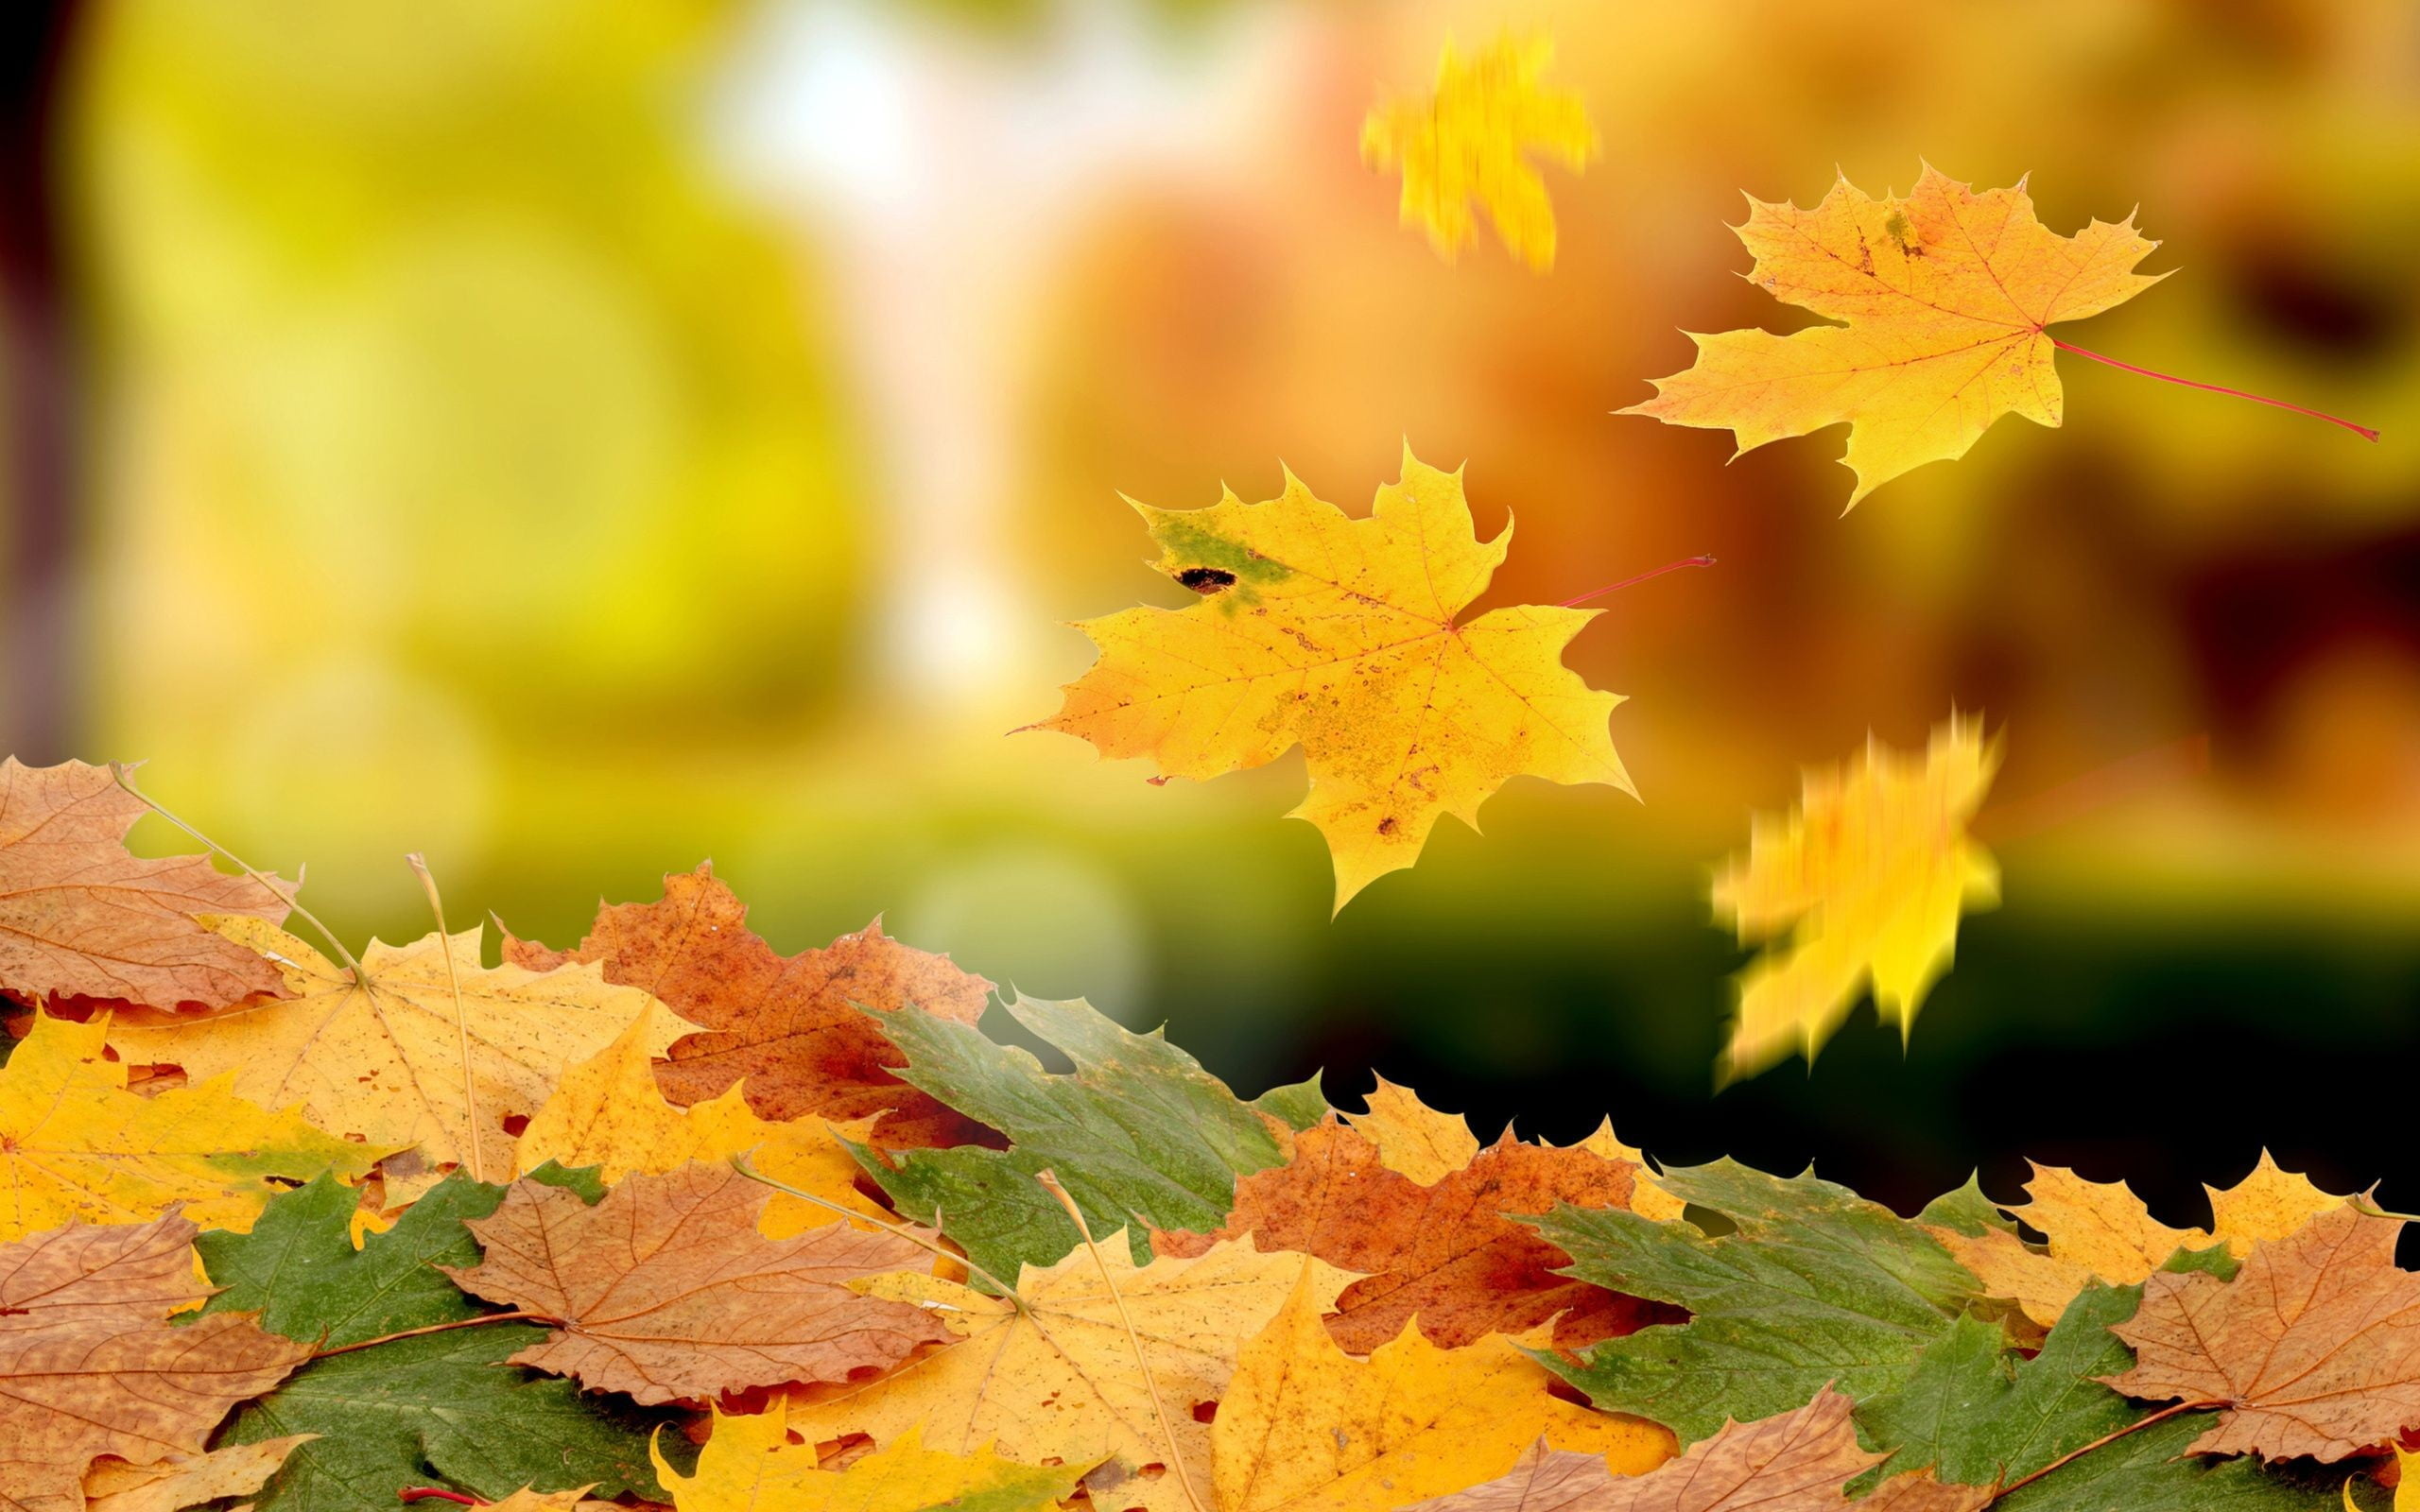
[1942, 298]
[74, 1144]
[1341, 635]
[666, 1289]
[606, 1112]
[1797, 1462]
[1442, 1252]
[2312, 1349]
[380, 1058]
[1868, 878]
[82, 917]
[751, 1462]
[1053, 1374]
[90, 1364]
[1306, 1428]
[1471, 140]
[790, 1030]
[2101, 1230]
[181, 1481]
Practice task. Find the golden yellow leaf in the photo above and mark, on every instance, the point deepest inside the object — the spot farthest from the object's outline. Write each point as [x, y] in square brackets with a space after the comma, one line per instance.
[1943, 296]
[181, 1481]
[1471, 140]
[1412, 1138]
[1648, 1198]
[1868, 877]
[1339, 634]
[76, 1146]
[381, 1059]
[1058, 1382]
[751, 1464]
[606, 1112]
[1307, 1428]
[2101, 1230]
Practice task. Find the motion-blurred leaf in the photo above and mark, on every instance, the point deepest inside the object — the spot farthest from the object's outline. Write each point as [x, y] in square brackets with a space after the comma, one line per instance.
[1471, 140]
[1868, 877]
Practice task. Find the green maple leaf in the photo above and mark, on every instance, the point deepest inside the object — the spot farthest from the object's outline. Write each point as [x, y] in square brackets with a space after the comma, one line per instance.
[1813, 1286]
[442, 1408]
[1980, 1414]
[1139, 1134]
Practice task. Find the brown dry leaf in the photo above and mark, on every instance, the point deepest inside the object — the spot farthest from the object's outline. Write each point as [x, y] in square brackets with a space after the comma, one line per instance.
[2313, 1348]
[606, 1112]
[2101, 1230]
[89, 1365]
[666, 1291]
[1306, 1428]
[791, 1027]
[1797, 1462]
[381, 1060]
[1058, 1381]
[81, 915]
[181, 1481]
[1443, 1252]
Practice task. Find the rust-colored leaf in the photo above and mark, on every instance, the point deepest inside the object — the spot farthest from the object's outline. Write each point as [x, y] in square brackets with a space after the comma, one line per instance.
[82, 917]
[2312, 1349]
[667, 1290]
[790, 1029]
[89, 1365]
[1444, 1252]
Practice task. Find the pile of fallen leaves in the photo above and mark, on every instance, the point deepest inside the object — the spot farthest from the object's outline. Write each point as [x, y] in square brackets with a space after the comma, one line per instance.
[673, 1219]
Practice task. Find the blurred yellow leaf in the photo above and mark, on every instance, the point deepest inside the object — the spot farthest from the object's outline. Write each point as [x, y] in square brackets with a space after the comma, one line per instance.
[1943, 295]
[1470, 141]
[1339, 634]
[1868, 877]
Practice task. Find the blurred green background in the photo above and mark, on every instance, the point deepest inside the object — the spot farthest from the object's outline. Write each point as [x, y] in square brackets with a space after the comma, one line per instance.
[576, 441]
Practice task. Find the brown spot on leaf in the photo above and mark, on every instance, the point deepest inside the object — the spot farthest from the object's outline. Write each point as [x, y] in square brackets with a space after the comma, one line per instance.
[1206, 580]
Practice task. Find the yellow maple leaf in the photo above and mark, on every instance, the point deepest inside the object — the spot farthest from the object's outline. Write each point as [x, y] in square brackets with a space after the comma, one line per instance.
[2099, 1230]
[2406, 1490]
[1415, 1139]
[76, 1146]
[1339, 634]
[1412, 1138]
[1942, 296]
[178, 1481]
[1307, 1428]
[1868, 878]
[752, 1462]
[606, 1112]
[1470, 140]
[1058, 1380]
[381, 1058]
